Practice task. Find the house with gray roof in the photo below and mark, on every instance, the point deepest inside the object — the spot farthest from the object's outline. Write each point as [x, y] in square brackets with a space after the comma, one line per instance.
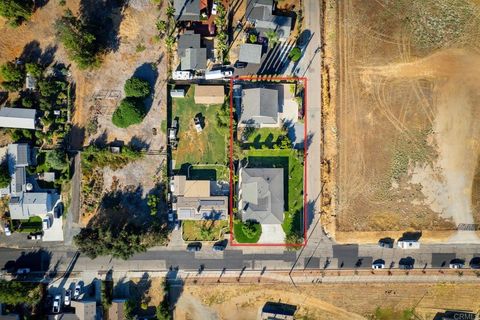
[25, 202]
[193, 200]
[259, 108]
[192, 55]
[250, 53]
[20, 118]
[260, 196]
[187, 10]
[260, 13]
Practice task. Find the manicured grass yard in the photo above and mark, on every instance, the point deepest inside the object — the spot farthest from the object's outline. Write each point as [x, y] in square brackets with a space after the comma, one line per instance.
[263, 137]
[206, 147]
[292, 161]
[204, 230]
[33, 224]
[242, 237]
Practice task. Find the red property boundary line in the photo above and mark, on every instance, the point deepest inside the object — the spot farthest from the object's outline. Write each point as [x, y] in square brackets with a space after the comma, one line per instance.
[268, 79]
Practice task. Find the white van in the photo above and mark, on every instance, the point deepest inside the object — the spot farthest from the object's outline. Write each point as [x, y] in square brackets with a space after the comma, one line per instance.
[408, 244]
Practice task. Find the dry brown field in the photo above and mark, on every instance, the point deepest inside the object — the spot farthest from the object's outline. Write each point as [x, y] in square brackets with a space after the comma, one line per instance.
[406, 94]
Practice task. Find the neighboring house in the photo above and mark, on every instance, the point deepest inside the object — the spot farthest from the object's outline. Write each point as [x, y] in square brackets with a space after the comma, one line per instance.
[209, 94]
[260, 108]
[260, 196]
[187, 10]
[193, 200]
[117, 310]
[260, 14]
[84, 310]
[192, 55]
[20, 118]
[24, 201]
[278, 311]
[250, 53]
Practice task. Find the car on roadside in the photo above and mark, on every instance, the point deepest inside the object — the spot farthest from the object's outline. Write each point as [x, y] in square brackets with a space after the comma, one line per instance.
[456, 264]
[177, 225]
[68, 297]
[170, 216]
[240, 64]
[194, 247]
[7, 231]
[56, 304]
[220, 246]
[23, 270]
[77, 291]
[378, 264]
[386, 242]
[406, 263]
[475, 263]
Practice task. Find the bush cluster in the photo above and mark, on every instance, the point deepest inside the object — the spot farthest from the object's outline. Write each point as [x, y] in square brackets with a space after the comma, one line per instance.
[132, 109]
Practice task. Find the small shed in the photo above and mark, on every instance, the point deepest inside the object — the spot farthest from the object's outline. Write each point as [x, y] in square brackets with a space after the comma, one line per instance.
[250, 53]
[177, 93]
[209, 94]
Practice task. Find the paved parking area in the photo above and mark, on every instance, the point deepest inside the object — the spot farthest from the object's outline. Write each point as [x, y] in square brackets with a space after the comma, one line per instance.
[55, 232]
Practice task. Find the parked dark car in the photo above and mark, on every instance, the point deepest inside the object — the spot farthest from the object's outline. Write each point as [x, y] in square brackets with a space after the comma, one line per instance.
[406, 263]
[475, 263]
[240, 64]
[194, 246]
[386, 242]
[220, 245]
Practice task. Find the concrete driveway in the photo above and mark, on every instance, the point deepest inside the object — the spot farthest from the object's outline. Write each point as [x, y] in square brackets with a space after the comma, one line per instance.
[272, 233]
[55, 232]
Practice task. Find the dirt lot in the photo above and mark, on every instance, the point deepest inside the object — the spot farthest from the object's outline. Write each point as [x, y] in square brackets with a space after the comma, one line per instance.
[407, 111]
[331, 301]
[136, 28]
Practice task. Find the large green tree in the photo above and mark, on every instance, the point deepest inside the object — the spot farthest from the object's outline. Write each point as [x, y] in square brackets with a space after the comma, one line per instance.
[12, 75]
[56, 159]
[136, 87]
[79, 42]
[130, 111]
[16, 11]
[4, 175]
[15, 292]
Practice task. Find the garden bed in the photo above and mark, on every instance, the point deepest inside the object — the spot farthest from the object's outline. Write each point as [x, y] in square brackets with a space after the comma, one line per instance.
[204, 230]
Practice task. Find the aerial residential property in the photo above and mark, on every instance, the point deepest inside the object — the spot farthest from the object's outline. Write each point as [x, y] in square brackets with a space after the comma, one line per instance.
[239, 159]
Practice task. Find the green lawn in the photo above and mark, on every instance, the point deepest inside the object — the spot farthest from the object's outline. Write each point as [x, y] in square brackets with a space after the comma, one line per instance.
[263, 137]
[204, 230]
[240, 235]
[205, 172]
[206, 147]
[33, 224]
[292, 161]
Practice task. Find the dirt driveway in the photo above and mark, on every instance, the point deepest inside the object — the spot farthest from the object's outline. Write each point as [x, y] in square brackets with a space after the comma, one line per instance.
[406, 121]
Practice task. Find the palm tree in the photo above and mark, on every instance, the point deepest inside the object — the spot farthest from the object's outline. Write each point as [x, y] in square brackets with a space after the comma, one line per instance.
[272, 37]
[161, 26]
[169, 41]
[170, 11]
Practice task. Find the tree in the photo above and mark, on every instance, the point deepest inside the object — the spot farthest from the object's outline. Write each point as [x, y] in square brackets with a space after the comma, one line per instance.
[295, 54]
[152, 201]
[161, 26]
[162, 311]
[15, 292]
[170, 11]
[4, 175]
[131, 111]
[272, 37]
[170, 41]
[56, 159]
[79, 43]
[34, 69]
[16, 11]
[136, 87]
[12, 76]
[252, 38]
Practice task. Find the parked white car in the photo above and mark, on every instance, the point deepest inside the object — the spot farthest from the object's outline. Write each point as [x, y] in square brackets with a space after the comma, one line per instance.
[56, 304]
[214, 9]
[7, 231]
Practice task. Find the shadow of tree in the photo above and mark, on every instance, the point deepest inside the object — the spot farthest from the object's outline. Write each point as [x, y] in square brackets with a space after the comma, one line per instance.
[103, 19]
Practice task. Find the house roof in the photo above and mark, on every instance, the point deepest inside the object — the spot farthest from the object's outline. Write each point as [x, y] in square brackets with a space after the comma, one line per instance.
[209, 94]
[260, 13]
[85, 310]
[29, 204]
[202, 208]
[259, 106]
[17, 118]
[18, 156]
[261, 195]
[250, 53]
[192, 55]
[187, 10]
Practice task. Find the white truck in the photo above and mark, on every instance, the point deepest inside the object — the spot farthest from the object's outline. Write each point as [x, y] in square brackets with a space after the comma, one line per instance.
[218, 74]
[408, 244]
[182, 75]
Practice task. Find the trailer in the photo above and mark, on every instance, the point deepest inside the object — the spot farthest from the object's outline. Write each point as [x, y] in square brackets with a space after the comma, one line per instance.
[408, 244]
